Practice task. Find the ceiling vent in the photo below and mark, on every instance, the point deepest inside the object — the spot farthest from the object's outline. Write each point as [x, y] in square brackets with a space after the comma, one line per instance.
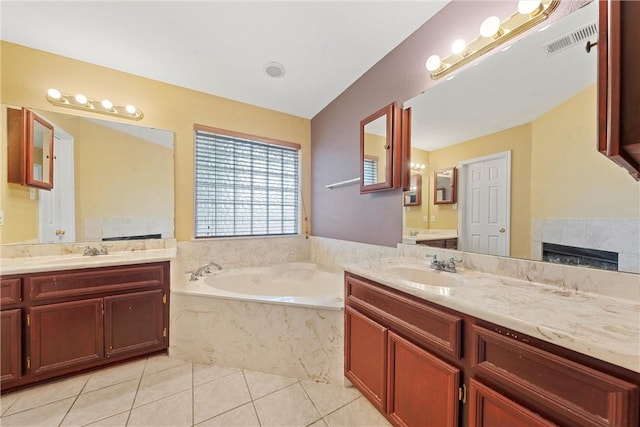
[568, 40]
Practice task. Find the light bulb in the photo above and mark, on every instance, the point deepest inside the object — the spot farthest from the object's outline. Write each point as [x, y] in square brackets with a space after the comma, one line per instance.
[528, 7]
[433, 63]
[490, 27]
[130, 109]
[458, 47]
[106, 104]
[54, 93]
[81, 99]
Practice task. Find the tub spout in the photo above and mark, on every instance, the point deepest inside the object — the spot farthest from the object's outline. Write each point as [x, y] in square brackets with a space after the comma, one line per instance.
[205, 269]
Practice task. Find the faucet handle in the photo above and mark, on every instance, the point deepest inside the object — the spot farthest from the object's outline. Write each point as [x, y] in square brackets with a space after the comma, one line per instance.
[453, 260]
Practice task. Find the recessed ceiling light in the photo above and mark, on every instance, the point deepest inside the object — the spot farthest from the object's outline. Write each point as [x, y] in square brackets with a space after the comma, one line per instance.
[274, 69]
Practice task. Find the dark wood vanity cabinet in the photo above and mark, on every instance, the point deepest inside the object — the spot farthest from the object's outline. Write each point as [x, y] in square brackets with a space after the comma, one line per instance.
[618, 83]
[425, 365]
[451, 243]
[69, 321]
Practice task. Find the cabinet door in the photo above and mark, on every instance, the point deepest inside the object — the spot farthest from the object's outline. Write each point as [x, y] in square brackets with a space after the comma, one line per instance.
[365, 356]
[66, 335]
[423, 390]
[11, 346]
[134, 322]
[489, 408]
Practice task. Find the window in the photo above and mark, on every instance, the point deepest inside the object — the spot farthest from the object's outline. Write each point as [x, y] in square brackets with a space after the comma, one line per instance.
[370, 170]
[245, 185]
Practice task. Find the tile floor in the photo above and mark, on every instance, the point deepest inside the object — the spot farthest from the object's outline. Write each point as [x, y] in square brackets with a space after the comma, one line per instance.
[162, 391]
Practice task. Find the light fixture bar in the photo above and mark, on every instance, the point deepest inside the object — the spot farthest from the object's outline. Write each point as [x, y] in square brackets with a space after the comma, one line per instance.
[81, 102]
[514, 25]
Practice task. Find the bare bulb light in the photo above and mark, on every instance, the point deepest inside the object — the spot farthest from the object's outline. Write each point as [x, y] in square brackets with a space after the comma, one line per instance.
[130, 109]
[529, 7]
[490, 27]
[81, 99]
[54, 94]
[106, 104]
[433, 63]
[458, 47]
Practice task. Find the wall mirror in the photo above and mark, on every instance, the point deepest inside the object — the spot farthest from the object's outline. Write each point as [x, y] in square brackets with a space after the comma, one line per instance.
[444, 186]
[112, 181]
[524, 139]
[378, 150]
[413, 197]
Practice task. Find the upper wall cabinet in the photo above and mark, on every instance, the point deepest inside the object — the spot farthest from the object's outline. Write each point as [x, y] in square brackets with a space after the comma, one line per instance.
[618, 83]
[29, 149]
[381, 151]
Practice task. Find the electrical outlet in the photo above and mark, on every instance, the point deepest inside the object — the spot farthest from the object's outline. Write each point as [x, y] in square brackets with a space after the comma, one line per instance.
[425, 219]
[32, 193]
[1, 217]
[433, 218]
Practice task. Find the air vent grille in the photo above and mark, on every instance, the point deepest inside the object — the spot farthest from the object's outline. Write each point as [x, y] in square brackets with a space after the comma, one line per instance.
[568, 40]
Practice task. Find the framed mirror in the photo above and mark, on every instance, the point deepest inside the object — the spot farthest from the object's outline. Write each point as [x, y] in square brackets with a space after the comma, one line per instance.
[379, 151]
[538, 110]
[413, 197]
[444, 186]
[94, 161]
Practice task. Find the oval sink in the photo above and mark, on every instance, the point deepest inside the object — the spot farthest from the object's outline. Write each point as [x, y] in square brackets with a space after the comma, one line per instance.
[422, 275]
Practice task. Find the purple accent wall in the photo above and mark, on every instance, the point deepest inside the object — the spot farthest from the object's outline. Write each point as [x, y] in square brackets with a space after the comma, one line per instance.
[343, 213]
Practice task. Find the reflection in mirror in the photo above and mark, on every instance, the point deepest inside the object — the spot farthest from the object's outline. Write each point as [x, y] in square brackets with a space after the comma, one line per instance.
[444, 186]
[376, 148]
[535, 114]
[111, 181]
[42, 135]
[413, 197]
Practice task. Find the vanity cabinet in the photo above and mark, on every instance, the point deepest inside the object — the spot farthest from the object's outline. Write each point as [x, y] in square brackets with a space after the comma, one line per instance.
[29, 149]
[422, 364]
[75, 320]
[451, 243]
[387, 335]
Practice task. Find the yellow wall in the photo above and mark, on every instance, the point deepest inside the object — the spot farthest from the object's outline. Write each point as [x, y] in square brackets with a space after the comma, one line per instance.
[27, 74]
[518, 141]
[374, 146]
[570, 178]
[413, 215]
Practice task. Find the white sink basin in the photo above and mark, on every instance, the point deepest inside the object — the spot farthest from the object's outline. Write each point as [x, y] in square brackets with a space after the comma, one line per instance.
[424, 276]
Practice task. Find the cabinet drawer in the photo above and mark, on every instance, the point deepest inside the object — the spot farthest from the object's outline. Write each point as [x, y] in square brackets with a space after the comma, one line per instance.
[68, 284]
[10, 291]
[570, 392]
[417, 320]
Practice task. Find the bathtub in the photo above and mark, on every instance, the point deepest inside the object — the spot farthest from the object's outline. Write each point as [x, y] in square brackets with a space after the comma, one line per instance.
[284, 319]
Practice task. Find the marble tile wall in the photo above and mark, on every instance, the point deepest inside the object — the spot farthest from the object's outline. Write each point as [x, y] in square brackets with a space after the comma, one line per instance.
[95, 229]
[333, 252]
[615, 235]
[608, 283]
[297, 342]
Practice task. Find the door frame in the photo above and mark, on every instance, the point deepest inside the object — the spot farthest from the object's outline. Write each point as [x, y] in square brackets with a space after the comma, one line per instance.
[462, 196]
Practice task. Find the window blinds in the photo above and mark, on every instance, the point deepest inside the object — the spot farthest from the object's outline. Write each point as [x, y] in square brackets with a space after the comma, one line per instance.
[244, 187]
[370, 171]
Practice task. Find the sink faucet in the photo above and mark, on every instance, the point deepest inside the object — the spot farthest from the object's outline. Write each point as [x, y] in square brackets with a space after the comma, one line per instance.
[413, 233]
[205, 269]
[449, 266]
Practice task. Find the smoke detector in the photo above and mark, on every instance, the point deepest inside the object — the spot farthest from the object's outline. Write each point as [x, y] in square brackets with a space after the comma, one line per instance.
[274, 69]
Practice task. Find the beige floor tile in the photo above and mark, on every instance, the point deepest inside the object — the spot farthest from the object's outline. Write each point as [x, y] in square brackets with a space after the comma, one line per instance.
[287, 407]
[172, 411]
[160, 363]
[261, 384]
[115, 375]
[103, 403]
[204, 373]
[319, 423]
[328, 398]
[46, 415]
[47, 393]
[244, 416]
[6, 400]
[161, 384]
[218, 396]
[119, 420]
[357, 413]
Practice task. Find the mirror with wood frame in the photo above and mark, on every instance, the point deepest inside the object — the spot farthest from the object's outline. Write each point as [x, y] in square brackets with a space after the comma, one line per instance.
[379, 151]
[413, 197]
[444, 186]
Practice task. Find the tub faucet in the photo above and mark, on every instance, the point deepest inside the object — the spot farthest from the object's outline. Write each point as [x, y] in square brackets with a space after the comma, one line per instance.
[205, 269]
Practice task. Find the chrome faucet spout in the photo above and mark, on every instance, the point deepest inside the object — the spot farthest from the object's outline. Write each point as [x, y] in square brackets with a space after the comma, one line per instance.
[205, 269]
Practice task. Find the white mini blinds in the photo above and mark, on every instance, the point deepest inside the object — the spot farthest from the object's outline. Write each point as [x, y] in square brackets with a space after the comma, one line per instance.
[244, 186]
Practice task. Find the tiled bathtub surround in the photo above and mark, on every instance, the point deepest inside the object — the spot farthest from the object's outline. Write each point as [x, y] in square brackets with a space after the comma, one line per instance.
[332, 252]
[60, 249]
[615, 235]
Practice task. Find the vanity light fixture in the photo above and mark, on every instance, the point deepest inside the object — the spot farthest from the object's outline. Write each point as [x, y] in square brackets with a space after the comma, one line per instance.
[81, 102]
[418, 166]
[493, 32]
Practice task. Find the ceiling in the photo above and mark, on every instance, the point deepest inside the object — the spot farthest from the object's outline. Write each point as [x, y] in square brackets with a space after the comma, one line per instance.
[507, 89]
[221, 48]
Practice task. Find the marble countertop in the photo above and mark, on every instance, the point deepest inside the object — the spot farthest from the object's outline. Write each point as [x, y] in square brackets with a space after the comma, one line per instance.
[35, 264]
[602, 327]
[430, 235]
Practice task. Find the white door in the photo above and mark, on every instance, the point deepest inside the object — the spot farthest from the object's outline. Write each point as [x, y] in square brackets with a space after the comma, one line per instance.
[57, 206]
[484, 191]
